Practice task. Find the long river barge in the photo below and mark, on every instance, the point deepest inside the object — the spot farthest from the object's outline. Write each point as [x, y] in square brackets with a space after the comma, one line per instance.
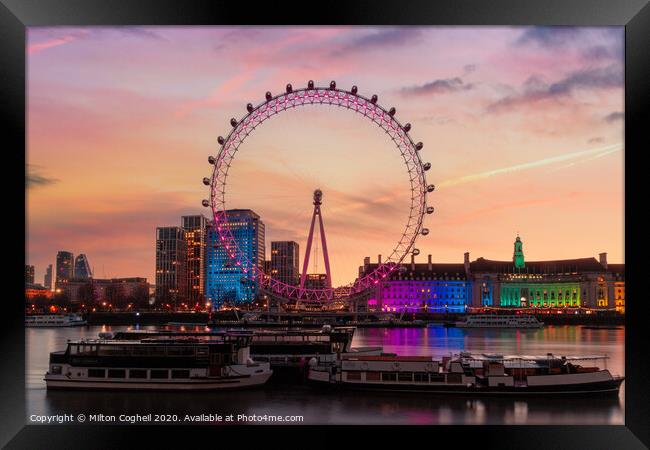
[468, 373]
[172, 362]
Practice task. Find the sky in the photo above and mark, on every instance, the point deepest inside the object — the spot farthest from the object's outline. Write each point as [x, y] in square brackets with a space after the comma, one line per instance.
[523, 127]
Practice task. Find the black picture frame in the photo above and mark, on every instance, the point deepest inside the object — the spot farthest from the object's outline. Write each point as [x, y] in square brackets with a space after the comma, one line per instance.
[16, 15]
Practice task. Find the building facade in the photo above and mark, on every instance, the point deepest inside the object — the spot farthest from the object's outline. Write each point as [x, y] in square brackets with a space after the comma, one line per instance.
[82, 268]
[285, 262]
[64, 269]
[195, 228]
[171, 269]
[227, 282]
[29, 274]
[47, 279]
[434, 287]
[89, 291]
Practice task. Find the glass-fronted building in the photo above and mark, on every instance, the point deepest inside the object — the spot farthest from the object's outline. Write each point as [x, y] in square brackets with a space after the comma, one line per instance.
[64, 269]
[225, 281]
[81, 267]
[171, 268]
[195, 235]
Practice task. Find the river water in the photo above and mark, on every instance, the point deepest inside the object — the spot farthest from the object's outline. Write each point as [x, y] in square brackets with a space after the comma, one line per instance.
[352, 407]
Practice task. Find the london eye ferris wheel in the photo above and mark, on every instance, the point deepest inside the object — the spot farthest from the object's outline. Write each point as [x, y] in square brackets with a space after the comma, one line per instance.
[345, 100]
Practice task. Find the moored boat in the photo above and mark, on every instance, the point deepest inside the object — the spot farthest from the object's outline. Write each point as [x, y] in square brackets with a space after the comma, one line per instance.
[54, 320]
[468, 374]
[500, 321]
[215, 362]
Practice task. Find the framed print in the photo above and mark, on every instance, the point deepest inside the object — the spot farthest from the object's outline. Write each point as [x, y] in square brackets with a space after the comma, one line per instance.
[358, 219]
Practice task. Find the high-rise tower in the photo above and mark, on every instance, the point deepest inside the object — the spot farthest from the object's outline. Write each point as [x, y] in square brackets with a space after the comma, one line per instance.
[327, 282]
[284, 262]
[227, 281]
[195, 234]
[171, 270]
[82, 268]
[64, 268]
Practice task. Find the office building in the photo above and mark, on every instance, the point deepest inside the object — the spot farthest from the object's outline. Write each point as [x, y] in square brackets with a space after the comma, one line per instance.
[195, 228]
[82, 268]
[227, 282]
[47, 279]
[29, 274]
[64, 269]
[171, 265]
[284, 262]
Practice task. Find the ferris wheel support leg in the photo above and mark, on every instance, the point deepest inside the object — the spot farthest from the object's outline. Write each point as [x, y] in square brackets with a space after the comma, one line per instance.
[305, 265]
[325, 255]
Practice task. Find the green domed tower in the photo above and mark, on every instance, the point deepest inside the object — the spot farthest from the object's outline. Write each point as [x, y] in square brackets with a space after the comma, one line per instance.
[518, 256]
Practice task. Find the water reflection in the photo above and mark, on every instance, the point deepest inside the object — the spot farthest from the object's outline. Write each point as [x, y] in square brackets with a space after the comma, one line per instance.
[348, 407]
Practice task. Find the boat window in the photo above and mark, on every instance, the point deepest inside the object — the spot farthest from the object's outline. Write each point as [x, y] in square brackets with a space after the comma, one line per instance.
[149, 350]
[437, 378]
[96, 373]
[116, 373]
[56, 370]
[159, 373]
[388, 376]
[74, 349]
[180, 351]
[405, 376]
[138, 373]
[108, 350]
[421, 377]
[354, 375]
[202, 351]
[372, 376]
[180, 373]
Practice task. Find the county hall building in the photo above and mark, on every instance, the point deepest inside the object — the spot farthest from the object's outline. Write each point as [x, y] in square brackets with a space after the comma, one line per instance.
[454, 287]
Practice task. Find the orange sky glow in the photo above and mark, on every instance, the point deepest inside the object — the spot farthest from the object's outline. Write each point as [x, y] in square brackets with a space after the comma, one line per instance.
[523, 127]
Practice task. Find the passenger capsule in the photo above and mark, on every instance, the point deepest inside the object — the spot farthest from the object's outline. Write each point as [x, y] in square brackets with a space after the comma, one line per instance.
[373, 99]
[426, 166]
[206, 181]
[415, 252]
[424, 231]
[354, 90]
[392, 111]
[332, 85]
[212, 159]
[419, 146]
[205, 203]
[233, 122]
[249, 107]
[269, 96]
[407, 127]
[220, 140]
[310, 84]
[430, 188]
[289, 88]
[430, 210]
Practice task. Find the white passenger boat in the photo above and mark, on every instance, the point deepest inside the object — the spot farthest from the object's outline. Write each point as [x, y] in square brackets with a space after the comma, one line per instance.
[468, 374]
[54, 320]
[500, 321]
[215, 362]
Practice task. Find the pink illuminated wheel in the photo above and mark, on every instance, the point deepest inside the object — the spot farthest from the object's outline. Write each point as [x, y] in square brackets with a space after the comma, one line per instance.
[326, 96]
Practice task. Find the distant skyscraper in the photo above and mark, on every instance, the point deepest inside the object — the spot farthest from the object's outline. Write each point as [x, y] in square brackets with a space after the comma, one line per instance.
[171, 267]
[64, 268]
[225, 281]
[284, 262]
[195, 234]
[82, 268]
[47, 280]
[29, 274]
